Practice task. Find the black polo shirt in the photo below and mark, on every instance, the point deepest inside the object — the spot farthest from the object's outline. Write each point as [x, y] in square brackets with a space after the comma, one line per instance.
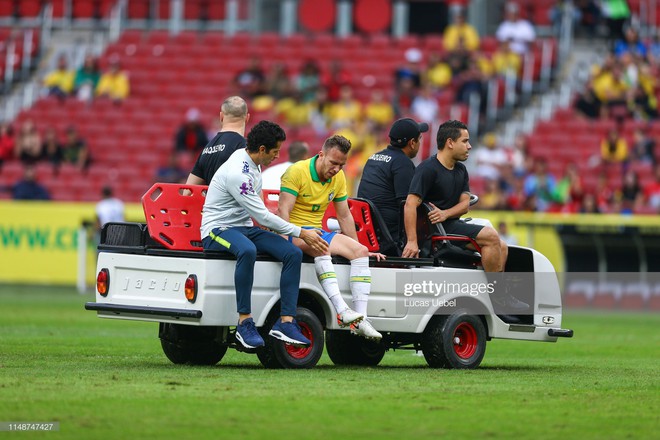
[216, 152]
[385, 181]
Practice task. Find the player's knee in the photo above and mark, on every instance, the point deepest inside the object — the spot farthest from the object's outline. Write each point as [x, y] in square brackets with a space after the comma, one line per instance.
[248, 253]
[488, 237]
[361, 251]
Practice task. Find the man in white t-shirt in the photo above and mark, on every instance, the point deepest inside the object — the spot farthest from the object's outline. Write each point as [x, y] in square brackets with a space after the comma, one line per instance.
[272, 176]
[517, 31]
[110, 209]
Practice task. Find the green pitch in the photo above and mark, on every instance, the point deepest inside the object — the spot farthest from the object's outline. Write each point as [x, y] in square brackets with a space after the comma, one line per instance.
[104, 378]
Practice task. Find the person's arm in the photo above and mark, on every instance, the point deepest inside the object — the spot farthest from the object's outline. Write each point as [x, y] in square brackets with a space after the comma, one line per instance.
[345, 219]
[410, 223]
[438, 215]
[402, 174]
[311, 237]
[195, 180]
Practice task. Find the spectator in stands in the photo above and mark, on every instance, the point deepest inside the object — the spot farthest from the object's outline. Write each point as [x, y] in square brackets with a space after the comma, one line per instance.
[472, 81]
[516, 30]
[612, 92]
[172, 171]
[439, 73]
[631, 44]
[492, 197]
[271, 177]
[403, 98]
[191, 136]
[294, 111]
[114, 83]
[411, 70]
[308, 81]
[52, 150]
[59, 82]
[617, 13]
[425, 105]
[489, 158]
[75, 149]
[631, 194]
[346, 110]
[335, 79]
[505, 61]
[251, 81]
[378, 112]
[557, 11]
[28, 143]
[540, 185]
[86, 79]
[458, 59]
[7, 143]
[278, 82]
[387, 174]
[590, 15]
[652, 191]
[569, 191]
[614, 148]
[643, 147]
[589, 205]
[109, 209]
[233, 117]
[603, 193]
[460, 30]
[642, 98]
[28, 188]
[320, 109]
[503, 230]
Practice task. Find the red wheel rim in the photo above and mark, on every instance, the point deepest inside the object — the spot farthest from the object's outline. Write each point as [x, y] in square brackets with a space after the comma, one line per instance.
[465, 340]
[301, 352]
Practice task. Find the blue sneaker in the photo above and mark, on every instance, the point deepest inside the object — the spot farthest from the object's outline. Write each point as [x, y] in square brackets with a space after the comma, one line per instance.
[290, 333]
[247, 334]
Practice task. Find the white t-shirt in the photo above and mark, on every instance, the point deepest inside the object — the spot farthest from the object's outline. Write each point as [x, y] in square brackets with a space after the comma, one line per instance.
[488, 162]
[519, 33]
[272, 176]
[110, 210]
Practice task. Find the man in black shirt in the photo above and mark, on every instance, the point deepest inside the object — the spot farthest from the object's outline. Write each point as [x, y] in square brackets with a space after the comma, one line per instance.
[387, 174]
[443, 181]
[233, 117]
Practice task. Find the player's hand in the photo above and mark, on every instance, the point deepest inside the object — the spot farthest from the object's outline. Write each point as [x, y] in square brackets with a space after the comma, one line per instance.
[312, 238]
[411, 250]
[437, 215]
[378, 255]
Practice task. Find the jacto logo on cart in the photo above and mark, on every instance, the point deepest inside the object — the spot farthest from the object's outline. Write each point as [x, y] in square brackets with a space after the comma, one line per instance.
[151, 284]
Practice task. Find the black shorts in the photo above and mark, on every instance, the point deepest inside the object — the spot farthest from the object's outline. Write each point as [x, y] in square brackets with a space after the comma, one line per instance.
[459, 227]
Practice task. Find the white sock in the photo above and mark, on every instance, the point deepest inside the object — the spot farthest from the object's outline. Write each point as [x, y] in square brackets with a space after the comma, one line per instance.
[360, 284]
[325, 272]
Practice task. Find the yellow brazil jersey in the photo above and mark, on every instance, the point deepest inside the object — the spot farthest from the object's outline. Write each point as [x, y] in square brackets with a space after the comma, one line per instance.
[313, 196]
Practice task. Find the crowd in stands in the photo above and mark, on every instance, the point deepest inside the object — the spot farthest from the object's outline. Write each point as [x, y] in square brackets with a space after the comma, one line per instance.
[325, 98]
[29, 147]
[87, 82]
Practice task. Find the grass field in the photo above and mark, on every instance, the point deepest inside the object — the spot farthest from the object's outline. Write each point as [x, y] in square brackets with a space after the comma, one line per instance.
[109, 379]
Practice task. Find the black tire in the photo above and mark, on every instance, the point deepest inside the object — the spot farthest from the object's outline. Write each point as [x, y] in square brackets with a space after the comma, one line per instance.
[454, 341]
[347, 349]
[187, 344]
[277, 354]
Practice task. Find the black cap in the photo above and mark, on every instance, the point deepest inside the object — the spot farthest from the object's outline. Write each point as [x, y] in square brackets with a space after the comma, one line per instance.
[405, 129]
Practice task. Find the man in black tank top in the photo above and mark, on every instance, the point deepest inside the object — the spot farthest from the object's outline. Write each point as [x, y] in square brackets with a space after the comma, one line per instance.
[233, 117]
